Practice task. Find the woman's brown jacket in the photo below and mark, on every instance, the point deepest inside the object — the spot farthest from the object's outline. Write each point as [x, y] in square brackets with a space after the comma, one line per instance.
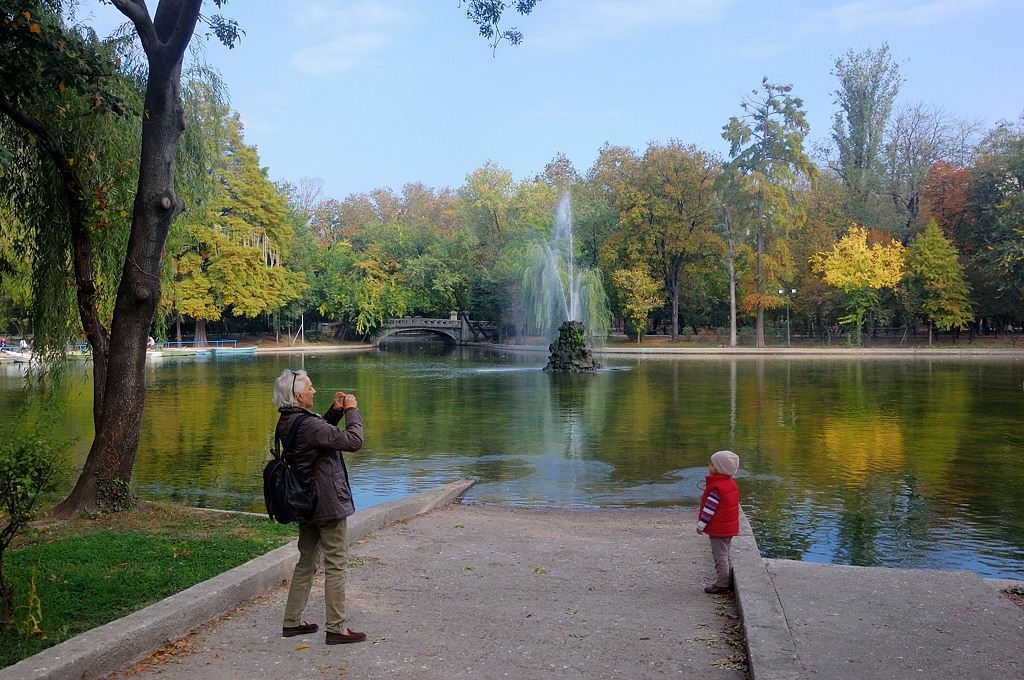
[316, 453]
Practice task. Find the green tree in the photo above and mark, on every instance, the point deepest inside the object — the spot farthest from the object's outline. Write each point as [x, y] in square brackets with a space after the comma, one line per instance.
[34, 64]
[827, 221]
[506, 219]
[868, 85]
[767, 150]
[996, 194]
[641, 294]
[229, 253]
[860, 270]
[669, 212]
[935, 271]
[63, 98]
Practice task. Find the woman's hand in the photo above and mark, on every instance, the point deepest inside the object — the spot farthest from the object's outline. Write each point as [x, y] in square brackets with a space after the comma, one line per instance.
[344, 401]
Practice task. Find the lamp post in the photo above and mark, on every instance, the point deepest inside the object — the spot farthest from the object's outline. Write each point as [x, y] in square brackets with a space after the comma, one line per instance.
[792, 292]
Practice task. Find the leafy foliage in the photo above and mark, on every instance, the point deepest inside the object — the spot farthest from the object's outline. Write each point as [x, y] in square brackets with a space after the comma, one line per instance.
[641, 294]
[31, 464]
[868, 85]
[936, 271]
[487, 15]
[768, 159]
[860, 270]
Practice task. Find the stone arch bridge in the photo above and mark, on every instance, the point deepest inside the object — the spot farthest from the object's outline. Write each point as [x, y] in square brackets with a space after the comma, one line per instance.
[456, 329]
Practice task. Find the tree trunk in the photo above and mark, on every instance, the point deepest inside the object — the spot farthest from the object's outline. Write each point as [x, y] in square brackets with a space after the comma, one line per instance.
[759, 274]
[732, 276]
[199, 333]
[112, 455]
[672, 286]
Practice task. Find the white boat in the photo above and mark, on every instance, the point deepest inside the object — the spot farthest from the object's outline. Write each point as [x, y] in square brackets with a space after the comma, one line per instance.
[12, 357]
[224, 351]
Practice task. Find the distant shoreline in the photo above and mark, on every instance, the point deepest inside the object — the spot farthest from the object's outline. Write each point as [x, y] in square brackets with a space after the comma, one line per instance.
[791, 352]
[655, 350]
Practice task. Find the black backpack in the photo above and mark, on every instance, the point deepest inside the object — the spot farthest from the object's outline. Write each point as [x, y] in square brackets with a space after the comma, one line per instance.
[287, 497]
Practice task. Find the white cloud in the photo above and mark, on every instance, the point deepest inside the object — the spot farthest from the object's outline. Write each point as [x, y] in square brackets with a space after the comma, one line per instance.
[843, 18]
[855, 16]
[344, 53]
[582, 23]
[346, 36]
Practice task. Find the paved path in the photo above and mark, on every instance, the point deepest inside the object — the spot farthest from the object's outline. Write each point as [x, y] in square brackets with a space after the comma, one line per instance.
[490, 592]
[453, 591]
[857, 623]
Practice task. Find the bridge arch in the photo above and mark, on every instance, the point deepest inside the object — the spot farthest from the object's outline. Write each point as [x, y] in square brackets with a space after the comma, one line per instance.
[447, 334]
[455, 328]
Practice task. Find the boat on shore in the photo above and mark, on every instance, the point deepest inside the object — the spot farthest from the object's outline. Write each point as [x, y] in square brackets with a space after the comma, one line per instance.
[183, 351]
[11, 357]
[231, 351]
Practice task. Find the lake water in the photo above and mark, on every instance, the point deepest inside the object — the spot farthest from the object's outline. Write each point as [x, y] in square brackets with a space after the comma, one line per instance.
[904, 462]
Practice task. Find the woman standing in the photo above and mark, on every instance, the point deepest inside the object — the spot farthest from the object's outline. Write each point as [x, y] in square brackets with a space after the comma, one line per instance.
[316, 452]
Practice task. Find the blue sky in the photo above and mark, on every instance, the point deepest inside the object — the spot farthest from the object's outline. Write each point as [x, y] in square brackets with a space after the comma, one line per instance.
[380, 93]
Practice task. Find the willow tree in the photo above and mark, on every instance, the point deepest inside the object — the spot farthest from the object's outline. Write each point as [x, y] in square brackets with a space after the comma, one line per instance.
[45, 62]
[42, 60]
[767, 150]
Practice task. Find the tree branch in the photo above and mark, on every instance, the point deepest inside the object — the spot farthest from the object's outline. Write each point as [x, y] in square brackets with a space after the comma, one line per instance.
[175, 22]
[138, 14]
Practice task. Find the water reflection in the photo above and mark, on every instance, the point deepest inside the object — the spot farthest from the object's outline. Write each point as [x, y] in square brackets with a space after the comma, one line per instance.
[867, 461]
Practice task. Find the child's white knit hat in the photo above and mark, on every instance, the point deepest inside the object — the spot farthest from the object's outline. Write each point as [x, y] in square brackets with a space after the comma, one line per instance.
[726, 462]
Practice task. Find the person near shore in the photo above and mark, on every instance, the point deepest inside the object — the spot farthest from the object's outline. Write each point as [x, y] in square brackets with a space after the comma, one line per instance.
[720, 516]
[316, 451]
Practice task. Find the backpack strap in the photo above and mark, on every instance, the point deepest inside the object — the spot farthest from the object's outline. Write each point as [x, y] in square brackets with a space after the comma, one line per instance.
[292, 431]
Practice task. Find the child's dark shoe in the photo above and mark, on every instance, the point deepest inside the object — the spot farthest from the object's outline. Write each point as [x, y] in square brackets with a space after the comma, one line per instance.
[715, 590]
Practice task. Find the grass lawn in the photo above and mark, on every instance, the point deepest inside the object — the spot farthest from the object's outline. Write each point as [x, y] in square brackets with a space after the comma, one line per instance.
[71, 576]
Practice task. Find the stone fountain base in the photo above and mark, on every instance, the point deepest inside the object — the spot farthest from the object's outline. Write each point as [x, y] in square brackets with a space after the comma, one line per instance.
[569, 351]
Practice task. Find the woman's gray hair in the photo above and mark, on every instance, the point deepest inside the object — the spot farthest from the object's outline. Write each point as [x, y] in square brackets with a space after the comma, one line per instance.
[284, 387]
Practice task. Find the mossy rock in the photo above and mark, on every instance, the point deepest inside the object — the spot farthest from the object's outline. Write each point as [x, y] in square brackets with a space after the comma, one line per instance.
[569, 352]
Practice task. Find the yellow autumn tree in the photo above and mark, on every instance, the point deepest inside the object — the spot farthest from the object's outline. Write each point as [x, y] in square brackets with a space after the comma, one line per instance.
[640, 294]
[860, 271]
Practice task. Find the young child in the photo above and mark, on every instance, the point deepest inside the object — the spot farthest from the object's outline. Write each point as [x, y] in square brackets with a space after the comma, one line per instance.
[720, 515]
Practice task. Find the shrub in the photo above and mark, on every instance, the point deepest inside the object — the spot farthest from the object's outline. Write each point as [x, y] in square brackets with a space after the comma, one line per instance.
[31, 465]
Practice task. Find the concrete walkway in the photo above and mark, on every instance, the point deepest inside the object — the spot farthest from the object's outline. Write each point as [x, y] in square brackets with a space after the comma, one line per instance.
[454, 591]
[805, 620]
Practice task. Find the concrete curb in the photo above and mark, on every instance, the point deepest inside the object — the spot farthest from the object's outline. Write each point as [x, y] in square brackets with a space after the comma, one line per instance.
[771, 649]
[103, 650]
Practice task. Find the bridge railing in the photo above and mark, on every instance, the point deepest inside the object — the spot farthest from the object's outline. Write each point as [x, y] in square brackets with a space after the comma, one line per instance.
[182, 344]
[420, 322]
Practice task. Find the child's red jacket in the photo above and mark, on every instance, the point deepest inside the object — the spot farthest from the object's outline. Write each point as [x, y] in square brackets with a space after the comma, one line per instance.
[720, 507]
